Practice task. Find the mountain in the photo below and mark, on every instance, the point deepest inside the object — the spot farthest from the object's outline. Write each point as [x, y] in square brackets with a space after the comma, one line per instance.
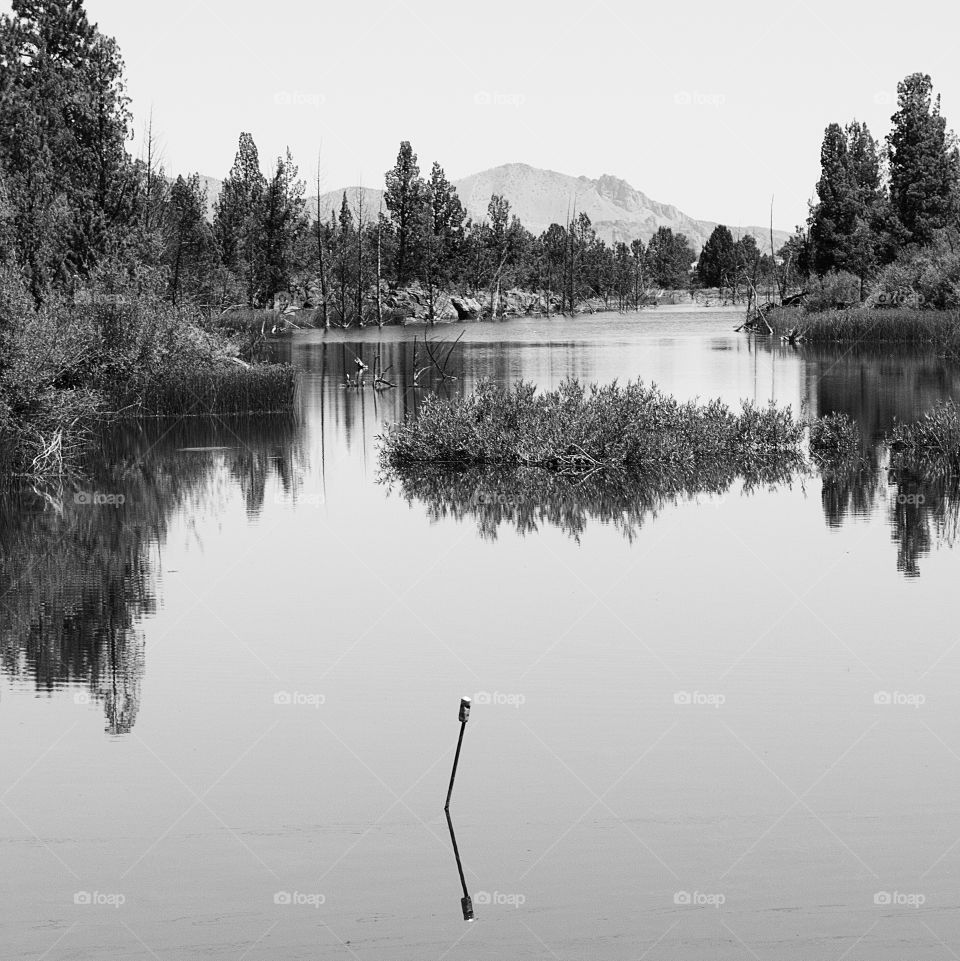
[618, 211]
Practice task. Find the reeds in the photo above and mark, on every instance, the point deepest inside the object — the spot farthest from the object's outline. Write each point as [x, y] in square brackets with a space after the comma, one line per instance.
[929, 447]
[229, 390]
[576, 430]
[834, 440]
[934, 328]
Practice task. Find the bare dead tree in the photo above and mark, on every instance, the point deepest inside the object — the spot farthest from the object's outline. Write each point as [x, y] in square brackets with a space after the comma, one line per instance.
[379, 263]
[360, 255]
[323, 270]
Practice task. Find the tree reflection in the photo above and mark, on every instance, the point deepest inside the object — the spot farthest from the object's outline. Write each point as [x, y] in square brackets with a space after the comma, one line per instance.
[78, 569]
[528, 498]
[921, 513]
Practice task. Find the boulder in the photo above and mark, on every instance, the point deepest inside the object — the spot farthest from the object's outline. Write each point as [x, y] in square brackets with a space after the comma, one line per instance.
[466, 307]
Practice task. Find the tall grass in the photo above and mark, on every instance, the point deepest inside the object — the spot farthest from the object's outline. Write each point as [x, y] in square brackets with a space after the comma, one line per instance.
[929, 447]
[76, 360]
[576, 430]
[235, 390]
[932, 328]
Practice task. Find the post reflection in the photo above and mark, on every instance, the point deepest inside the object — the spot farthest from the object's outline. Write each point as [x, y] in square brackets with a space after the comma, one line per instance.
[466, 902]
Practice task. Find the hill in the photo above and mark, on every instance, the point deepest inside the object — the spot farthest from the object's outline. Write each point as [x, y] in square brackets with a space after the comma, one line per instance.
[619, 212]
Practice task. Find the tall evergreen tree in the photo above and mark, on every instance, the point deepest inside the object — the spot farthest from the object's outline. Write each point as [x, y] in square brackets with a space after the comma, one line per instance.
[406, 199]
[847, 224]
[717, 259]
[64, 123]
[189, 241]
[670, 257]
[236, 216]
[924, 162]
[280, 226]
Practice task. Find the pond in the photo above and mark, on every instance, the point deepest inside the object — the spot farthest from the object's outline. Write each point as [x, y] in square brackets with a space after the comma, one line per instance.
[720, 724]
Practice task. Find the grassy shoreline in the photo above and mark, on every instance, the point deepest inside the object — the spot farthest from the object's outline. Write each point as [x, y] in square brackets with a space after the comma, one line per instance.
[74, 363]
[923, 328]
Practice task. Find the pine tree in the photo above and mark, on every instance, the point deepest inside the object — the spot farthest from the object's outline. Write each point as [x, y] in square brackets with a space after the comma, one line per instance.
[717, 259]
[280, 225]
[236, 217]
[406, 197]
[848, 223]
[189, 240]
[924, 162]
[64, 123]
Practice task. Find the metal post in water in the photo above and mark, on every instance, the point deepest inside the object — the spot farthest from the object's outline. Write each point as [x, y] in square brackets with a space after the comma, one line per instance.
[464, 717]
[466, 902]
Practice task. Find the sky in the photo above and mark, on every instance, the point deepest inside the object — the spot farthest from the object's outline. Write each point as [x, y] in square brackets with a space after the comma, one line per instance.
[716, 107]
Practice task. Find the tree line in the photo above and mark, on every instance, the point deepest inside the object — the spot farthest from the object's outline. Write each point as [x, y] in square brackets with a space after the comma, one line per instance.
[77, 211]
[886, 215]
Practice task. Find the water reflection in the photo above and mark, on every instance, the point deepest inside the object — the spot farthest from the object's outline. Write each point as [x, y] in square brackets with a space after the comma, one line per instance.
[466, 902]
[78, 576]
[529, 499]
[79, 567]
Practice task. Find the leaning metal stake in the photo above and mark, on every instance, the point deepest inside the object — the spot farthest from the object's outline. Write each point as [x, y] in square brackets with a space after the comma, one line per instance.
[464, 717]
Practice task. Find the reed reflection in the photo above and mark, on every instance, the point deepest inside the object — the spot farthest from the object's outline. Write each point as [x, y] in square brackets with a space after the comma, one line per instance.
[78, 571]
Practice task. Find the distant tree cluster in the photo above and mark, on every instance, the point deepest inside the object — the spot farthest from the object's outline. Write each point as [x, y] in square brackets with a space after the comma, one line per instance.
[882, 208]
[425, 236]
[734, 265]
[77, 211]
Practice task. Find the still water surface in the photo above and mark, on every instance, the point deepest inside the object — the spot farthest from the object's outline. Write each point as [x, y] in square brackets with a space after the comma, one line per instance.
[724, 728]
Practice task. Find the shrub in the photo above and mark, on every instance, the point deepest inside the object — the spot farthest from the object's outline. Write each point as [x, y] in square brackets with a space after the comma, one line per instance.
[927, 279]
[834, 439]
[931, 445]
[837, 289]
[578, 430]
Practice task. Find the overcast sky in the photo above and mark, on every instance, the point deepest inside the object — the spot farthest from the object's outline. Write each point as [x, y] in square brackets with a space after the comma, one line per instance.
[711, 106]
